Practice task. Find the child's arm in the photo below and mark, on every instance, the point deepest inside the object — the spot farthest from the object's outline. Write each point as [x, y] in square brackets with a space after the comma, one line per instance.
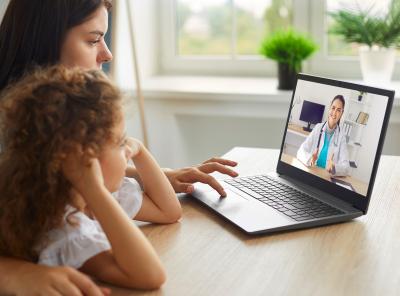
[160, 204]
[132, 262]
[19, 277]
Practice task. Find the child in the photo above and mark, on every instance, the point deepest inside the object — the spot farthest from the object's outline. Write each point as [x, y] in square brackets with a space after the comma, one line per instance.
[65, 151]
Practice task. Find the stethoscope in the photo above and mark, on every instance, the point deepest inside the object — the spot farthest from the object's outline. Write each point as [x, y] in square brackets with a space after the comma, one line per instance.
[335, 142]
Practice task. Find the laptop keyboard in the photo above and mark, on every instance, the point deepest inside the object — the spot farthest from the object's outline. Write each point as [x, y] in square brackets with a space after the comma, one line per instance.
[287, 200]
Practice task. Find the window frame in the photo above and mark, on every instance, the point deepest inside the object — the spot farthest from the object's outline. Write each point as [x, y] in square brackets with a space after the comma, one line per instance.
[173, 64]
[333, 66]
[309, 16]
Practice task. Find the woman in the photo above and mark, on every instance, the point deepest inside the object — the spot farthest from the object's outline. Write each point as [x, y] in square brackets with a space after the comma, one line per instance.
[70, 32]
[326, 146]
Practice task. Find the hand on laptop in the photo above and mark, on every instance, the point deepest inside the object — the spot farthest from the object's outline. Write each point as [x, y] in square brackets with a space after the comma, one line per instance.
[182, 179]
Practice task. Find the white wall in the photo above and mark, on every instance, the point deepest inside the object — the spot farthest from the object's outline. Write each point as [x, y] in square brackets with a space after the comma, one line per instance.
[145, 33]
[376, 106]
[311, 91]
[189, 128]
[145, 27]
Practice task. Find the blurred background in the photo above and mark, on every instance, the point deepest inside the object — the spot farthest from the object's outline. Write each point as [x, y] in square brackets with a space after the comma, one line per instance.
[206, 87]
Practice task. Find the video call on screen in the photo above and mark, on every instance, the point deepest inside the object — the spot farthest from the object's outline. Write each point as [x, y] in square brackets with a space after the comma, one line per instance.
[333, 133]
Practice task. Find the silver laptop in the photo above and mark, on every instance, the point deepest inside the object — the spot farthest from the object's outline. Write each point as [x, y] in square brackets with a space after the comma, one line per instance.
[327, 165]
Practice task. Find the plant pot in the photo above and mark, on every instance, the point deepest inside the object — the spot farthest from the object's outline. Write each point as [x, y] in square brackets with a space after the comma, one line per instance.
[377, 64]
[286, 76]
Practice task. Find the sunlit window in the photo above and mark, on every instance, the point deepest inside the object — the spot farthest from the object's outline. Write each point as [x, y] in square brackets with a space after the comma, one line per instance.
[335, 45]
[228, 28]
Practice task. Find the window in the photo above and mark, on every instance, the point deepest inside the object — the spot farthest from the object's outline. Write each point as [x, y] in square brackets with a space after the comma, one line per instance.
[336, 46]
[222, 37]
[335, 58]
[230, 28]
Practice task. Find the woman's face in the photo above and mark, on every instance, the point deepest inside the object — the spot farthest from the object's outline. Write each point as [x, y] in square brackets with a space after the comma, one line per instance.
[335, 113]
[114, 157]
[84, 45]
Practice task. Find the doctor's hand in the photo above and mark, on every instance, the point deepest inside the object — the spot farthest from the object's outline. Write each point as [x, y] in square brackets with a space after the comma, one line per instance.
[314, 157]
[182, 179]
[331, 165]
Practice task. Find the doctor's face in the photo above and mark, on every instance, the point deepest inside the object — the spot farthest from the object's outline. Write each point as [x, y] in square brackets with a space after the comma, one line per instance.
[335, 113]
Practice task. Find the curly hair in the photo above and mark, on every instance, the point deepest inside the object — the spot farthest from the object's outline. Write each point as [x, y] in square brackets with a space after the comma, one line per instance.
[43, 117]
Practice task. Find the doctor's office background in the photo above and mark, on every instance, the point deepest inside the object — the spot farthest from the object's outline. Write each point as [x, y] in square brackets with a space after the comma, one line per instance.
[361, 122]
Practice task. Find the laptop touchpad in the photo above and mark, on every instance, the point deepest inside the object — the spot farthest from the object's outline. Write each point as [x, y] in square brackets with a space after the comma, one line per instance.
[211, 197]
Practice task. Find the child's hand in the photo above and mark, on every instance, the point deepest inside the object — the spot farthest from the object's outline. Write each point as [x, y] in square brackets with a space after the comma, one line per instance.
[84, 174]
[135, 145]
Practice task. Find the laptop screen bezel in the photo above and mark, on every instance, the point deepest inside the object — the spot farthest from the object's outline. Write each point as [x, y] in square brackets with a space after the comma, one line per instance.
[357, 200]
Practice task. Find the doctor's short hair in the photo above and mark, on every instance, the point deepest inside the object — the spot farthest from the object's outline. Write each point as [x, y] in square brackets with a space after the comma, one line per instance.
[340, 98]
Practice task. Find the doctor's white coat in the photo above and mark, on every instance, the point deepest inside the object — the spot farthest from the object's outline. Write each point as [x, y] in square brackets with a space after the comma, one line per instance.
[337, 147]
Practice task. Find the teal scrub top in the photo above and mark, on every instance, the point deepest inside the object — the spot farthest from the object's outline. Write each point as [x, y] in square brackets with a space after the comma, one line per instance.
[321, 162]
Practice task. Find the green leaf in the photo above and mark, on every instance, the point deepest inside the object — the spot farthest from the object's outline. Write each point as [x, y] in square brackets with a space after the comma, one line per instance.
[364, 28]
[289, 47]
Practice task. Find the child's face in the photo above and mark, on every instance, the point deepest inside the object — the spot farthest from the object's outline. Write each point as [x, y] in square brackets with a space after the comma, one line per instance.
[114, 158]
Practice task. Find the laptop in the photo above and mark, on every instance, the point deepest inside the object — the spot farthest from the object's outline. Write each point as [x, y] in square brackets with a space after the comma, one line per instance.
[323, 176]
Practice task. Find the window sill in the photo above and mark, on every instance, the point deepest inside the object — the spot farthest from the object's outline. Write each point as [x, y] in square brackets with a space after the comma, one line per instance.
[214, 88]
[254, 89]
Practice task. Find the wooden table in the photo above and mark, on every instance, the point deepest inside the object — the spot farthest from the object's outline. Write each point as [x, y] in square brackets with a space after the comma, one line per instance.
[204, 255]
[358, 186]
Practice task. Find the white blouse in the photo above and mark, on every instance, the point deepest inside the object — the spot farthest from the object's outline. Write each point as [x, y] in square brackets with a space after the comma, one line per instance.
[73, 245]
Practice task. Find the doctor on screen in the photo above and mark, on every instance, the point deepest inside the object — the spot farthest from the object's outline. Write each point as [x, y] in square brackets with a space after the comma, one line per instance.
[325, 146]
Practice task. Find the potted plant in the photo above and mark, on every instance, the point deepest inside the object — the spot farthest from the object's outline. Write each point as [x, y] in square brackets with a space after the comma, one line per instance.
[378, 35]
[289, 48]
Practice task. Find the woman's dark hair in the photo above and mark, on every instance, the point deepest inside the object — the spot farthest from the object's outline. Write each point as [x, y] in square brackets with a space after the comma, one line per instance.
[32, 33]
[340, 98]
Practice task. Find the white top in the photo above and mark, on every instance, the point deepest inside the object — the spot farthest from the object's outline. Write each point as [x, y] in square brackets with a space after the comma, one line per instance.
[337, 148]
[73, 245]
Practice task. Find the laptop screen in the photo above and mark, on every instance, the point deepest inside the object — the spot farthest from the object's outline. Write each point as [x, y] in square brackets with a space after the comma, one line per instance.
[333, 132]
